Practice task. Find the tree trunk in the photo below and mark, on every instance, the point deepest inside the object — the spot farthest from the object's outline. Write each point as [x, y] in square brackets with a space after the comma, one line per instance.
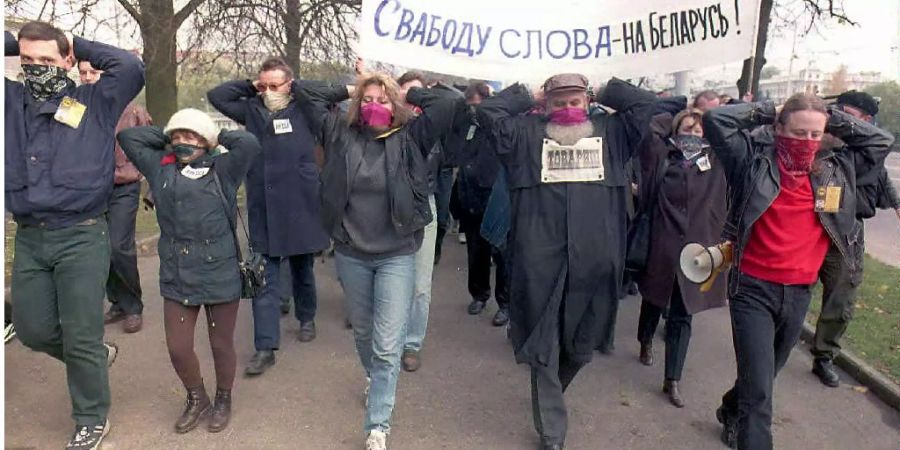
[292, 35]
[161, 74]
[754, 65]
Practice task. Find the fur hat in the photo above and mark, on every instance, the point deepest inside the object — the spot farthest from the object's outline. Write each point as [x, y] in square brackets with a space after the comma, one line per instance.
[194, 120]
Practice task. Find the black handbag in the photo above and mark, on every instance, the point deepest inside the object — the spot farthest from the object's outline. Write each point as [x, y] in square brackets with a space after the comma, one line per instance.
[253, 267]
[637, 251]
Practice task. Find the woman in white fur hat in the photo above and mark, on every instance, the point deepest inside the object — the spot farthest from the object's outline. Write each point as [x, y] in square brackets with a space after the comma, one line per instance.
[185, 165]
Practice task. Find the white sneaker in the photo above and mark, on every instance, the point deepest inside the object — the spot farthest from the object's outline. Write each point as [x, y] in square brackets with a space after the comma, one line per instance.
[462, 238]
[377, 440]
[112, 351]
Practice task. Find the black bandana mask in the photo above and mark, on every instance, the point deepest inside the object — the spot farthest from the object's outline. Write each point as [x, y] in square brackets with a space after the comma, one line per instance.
[44, 82]
[690, 145]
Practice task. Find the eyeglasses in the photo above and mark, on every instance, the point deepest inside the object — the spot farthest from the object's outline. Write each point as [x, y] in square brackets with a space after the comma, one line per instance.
[271, 87]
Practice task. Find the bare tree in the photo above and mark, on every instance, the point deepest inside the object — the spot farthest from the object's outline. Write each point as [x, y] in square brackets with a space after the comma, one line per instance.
[812, 12]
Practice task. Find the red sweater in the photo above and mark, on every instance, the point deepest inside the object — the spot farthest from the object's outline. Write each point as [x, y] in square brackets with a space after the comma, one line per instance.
[788, 243]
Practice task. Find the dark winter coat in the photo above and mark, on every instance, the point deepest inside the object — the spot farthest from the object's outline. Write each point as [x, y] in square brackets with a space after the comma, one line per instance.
[478, 167]
[690, 207]
[754, 179]
[283, 184]
[567, 240]
[197, 259]
[406, 150]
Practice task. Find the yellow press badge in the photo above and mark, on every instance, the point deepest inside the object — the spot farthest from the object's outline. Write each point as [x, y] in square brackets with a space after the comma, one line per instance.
[70, 112]
[828, 199]
[582, 162]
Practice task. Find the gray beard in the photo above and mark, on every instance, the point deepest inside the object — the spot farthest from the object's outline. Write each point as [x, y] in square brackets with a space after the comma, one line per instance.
[570, 134]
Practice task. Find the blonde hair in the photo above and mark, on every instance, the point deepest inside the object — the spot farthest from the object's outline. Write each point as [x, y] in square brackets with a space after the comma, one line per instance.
[402, 114]
[693, 113]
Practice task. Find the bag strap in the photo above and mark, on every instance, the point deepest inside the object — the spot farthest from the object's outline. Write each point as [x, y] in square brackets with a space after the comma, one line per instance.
[225, 206]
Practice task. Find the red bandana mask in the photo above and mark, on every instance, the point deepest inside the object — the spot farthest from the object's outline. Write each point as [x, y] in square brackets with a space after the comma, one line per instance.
[796, 155]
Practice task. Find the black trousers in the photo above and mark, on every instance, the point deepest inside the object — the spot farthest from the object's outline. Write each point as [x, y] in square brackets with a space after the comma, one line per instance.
[838, 299]
[480, 252]
[678, 331]
[548, 383]
[123, 287]
[766, 320]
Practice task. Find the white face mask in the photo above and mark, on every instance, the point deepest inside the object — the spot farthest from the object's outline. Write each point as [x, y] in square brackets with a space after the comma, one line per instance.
[276, 101]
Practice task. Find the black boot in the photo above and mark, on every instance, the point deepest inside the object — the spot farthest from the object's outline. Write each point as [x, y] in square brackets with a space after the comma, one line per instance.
[195, 409]
[259, 362]
[824, 369]
[729, 428]
[670, 387]
[647, 354]
[221, 411]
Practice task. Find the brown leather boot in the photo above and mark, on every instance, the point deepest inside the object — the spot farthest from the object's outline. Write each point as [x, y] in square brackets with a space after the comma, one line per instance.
[221, 411]
[196, 409]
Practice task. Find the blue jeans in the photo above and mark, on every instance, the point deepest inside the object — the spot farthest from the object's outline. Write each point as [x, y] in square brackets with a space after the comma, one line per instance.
[267, 306]
[377, 295]
[418, 310]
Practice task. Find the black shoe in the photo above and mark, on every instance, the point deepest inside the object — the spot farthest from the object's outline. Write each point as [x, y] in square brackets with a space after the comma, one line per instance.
[546, 446]
[632, 289]
[501, 318]
[824, 369]
[259, 362]
[670, 387]
[647, 354]
[221, 411]
[307, 331]
[196, 408]
[476, 307]
[729, 428]
[88, 437]
[286, 305]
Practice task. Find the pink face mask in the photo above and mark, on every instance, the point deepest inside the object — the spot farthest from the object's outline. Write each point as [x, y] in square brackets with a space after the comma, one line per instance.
[568, 116]
[376, 115]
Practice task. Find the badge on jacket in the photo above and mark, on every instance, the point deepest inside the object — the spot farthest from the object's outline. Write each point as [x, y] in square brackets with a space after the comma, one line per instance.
[70, 112]
[828, 199]
[703, 164]
[582, 162]
[194, 173]
[282, 126]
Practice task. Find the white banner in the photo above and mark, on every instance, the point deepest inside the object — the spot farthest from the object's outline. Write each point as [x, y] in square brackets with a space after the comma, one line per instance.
[530, 40]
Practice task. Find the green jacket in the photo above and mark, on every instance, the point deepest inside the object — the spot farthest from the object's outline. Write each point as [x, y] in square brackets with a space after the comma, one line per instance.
[197, 258]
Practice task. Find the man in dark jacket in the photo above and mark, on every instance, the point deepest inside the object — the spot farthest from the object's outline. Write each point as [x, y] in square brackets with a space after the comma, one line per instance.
[838, 281]
[478, 168]
[568, 188]
[282, 199]
[790, 201]
[59, 178]
[123, 288]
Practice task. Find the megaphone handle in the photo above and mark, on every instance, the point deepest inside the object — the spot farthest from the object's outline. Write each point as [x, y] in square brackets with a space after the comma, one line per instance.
[708, 284]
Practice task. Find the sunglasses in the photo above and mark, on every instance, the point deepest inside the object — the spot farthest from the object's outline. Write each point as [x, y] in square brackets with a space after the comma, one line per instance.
[271, 87]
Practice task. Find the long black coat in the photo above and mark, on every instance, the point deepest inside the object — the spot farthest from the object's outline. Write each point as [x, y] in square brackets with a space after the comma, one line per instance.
[690, 207]
[567, 240]
[282, 185]
[197, 259]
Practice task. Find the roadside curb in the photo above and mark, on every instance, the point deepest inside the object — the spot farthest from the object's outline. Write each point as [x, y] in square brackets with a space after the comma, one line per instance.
[879, 384]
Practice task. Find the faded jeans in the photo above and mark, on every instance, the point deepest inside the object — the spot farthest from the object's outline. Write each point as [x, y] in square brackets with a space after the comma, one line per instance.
[377, 296]
[418, 310]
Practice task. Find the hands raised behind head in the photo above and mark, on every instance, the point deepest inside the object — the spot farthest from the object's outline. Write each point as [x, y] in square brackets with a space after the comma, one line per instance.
[538, 94]
[360, 65]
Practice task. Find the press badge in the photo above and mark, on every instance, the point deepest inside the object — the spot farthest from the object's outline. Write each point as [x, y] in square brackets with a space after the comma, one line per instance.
[70, 112]
[703, 164]
[828, 199]
[282, 126]
[194, 173]
[582, 162]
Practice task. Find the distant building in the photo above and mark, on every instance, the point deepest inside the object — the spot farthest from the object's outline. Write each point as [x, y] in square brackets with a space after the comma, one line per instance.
[810, 80]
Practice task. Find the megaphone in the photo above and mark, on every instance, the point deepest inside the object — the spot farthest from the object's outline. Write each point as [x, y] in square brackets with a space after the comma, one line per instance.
[701, 265]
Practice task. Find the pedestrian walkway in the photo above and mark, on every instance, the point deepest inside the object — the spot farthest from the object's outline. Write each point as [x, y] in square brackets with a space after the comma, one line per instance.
[469, 393]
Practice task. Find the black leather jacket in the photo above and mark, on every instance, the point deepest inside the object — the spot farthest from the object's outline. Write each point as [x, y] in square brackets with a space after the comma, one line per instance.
[406, 150]
[754, 178]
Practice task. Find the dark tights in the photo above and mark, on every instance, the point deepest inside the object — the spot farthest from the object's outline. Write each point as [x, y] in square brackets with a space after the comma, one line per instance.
[180, 322]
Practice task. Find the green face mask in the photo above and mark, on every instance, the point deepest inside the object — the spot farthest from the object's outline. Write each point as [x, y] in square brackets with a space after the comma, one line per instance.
[183, 151]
